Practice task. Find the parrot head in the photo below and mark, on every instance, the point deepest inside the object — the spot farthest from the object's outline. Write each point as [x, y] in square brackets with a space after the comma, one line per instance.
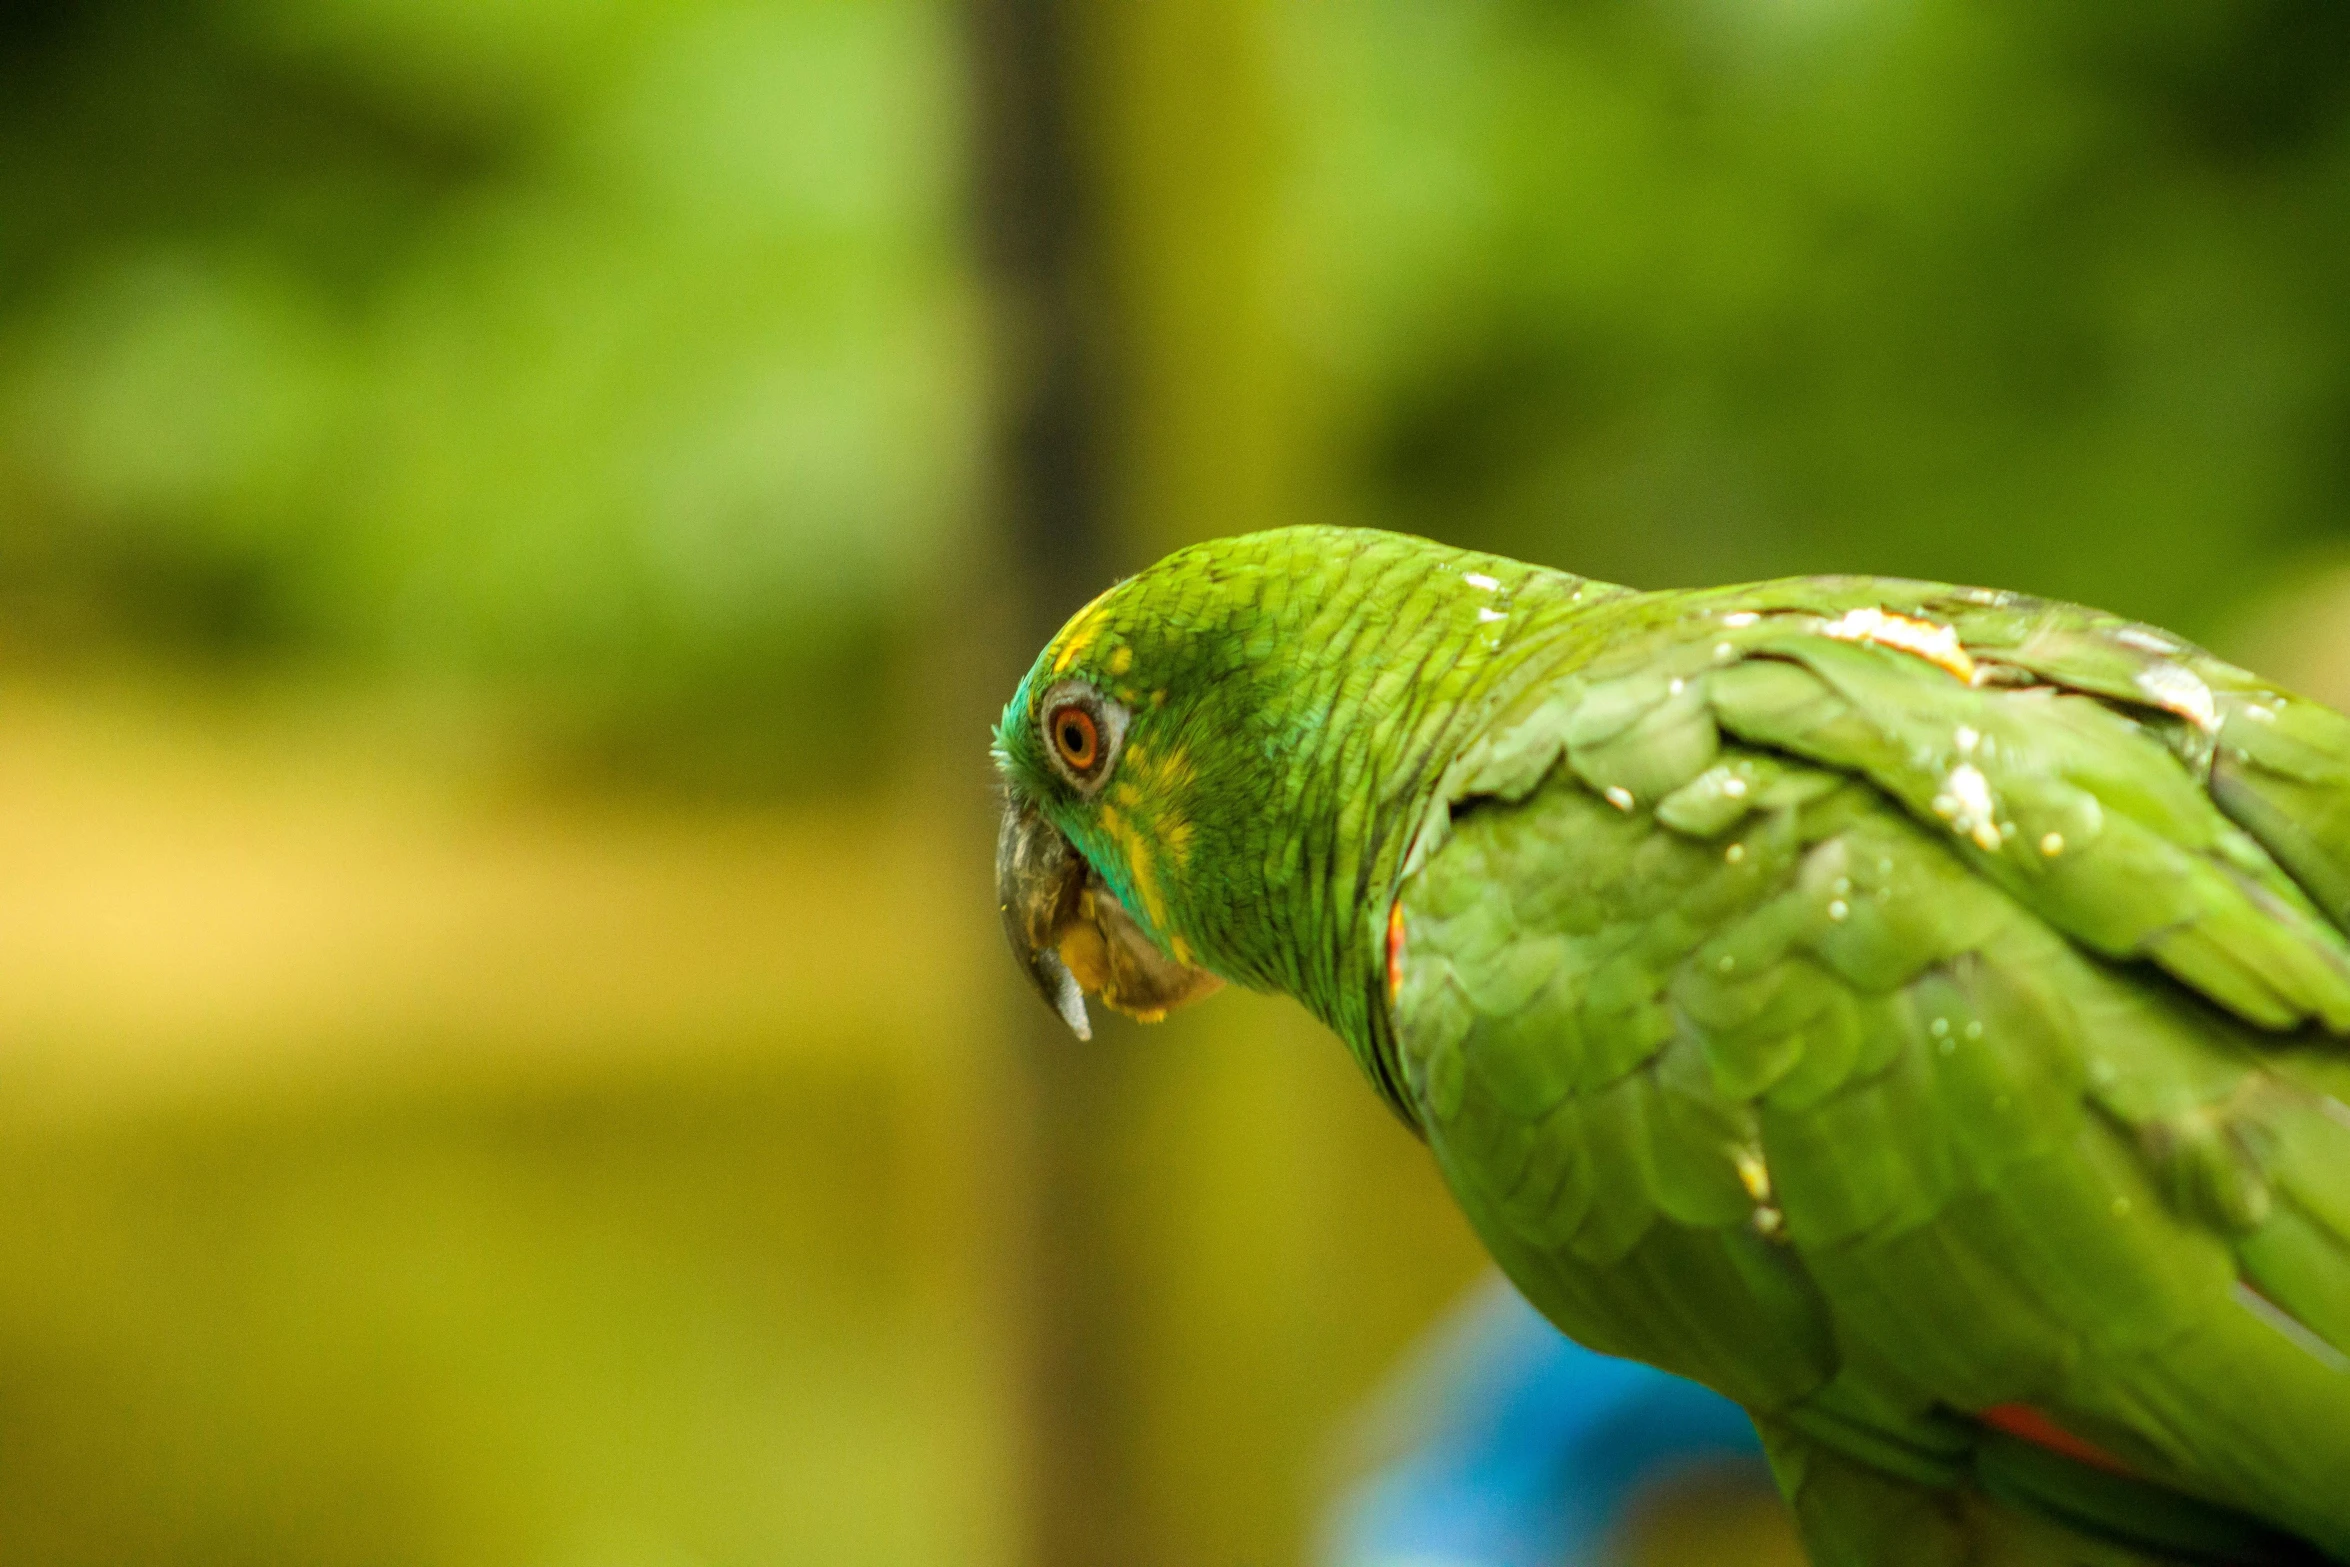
[1101, 794]
[1209, 772]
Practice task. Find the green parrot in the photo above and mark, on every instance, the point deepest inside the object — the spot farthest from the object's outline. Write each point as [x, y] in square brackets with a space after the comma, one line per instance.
[1916, 1012]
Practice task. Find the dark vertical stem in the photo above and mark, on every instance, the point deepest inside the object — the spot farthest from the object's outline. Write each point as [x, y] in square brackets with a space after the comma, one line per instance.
[1037, 243]
[1036, 246]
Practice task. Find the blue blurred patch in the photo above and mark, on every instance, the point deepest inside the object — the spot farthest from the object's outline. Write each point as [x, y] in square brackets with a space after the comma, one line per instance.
[1523, 1449]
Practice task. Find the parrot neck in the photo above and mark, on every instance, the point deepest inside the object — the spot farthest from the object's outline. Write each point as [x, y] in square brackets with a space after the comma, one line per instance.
[1370, 724]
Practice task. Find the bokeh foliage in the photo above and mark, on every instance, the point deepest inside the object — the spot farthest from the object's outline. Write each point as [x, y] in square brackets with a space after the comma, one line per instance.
[620, 354]
[1700, 290]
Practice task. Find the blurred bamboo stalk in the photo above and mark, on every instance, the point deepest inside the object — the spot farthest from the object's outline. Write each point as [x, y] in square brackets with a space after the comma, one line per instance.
[1037, 244]
[1128, 195]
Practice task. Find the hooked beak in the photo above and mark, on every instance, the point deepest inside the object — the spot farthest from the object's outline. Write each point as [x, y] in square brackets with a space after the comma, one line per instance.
[1072, 936]
[1037, 881]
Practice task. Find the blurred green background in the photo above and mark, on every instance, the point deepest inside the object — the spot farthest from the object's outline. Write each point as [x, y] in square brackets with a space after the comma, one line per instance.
[515, 515]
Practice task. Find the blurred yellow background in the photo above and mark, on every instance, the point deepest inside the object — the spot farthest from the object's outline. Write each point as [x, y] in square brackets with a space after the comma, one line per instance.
[514, 520]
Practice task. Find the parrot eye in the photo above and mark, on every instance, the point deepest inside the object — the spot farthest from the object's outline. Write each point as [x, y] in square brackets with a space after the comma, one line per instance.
[1076, 739]
[1081, 733]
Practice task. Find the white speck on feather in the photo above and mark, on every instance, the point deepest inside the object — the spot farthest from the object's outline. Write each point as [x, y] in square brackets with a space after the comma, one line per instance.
[1734, 786]
[1838, 909]
[1723, 650]
[1619, 797]
[1753, 1173]
[1478, 579]
[2052, 844]
[2177, 690]
[1972, 811]
[1676, 686]
[1936, 644]
[1491, 615]
[1744, 617]
[1967, 740]
[2145, 639]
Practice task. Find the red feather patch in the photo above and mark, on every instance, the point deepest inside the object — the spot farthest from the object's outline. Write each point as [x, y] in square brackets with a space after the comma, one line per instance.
[2022, 1420]
[1394, 951]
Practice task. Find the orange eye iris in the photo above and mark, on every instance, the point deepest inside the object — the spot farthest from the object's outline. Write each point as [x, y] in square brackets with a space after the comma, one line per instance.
[1075, 737]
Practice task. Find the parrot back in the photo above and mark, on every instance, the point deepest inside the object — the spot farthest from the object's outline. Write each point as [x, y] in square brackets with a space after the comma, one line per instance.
[1915, 1012]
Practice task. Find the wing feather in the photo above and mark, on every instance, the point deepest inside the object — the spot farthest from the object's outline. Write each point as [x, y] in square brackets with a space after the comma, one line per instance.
[1882, 1046]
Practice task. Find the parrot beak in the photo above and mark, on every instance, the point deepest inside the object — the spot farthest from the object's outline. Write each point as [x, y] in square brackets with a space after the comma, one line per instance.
[1071, 934]
[1038, 879]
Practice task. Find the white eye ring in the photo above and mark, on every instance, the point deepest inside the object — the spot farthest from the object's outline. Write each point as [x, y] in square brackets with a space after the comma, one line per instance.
[1082, 732]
